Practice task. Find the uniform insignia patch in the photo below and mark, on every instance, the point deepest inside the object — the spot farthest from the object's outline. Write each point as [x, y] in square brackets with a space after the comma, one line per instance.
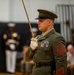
[61, 49]
[60, 71]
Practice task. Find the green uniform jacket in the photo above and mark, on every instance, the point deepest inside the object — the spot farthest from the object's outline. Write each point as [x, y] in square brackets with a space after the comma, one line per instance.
[51, 49]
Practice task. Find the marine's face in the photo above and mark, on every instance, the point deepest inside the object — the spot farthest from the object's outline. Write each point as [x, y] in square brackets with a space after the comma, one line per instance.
[43, 24]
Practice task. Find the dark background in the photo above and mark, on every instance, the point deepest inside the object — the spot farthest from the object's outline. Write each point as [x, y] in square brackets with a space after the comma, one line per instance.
[23, 30]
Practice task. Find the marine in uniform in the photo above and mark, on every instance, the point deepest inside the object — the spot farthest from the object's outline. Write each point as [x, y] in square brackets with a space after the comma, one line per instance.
[48, 50]
[11, 39]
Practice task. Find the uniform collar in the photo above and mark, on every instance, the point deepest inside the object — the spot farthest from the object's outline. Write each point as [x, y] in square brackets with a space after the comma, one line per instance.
[47, 34]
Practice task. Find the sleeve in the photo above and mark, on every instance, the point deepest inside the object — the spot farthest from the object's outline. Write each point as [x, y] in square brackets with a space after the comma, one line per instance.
[59, 51]
[29, 54]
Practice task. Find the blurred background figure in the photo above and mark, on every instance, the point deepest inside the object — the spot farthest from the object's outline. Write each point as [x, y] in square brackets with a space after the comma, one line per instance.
[70, 59]
[11, 40]
[70, 55]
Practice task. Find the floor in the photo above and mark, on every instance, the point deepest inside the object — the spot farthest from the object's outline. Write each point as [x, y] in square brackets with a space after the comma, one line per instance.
[5, 74]
[17, 73]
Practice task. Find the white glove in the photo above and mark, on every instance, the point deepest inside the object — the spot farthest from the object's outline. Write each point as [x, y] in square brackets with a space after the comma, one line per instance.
[34, 43]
